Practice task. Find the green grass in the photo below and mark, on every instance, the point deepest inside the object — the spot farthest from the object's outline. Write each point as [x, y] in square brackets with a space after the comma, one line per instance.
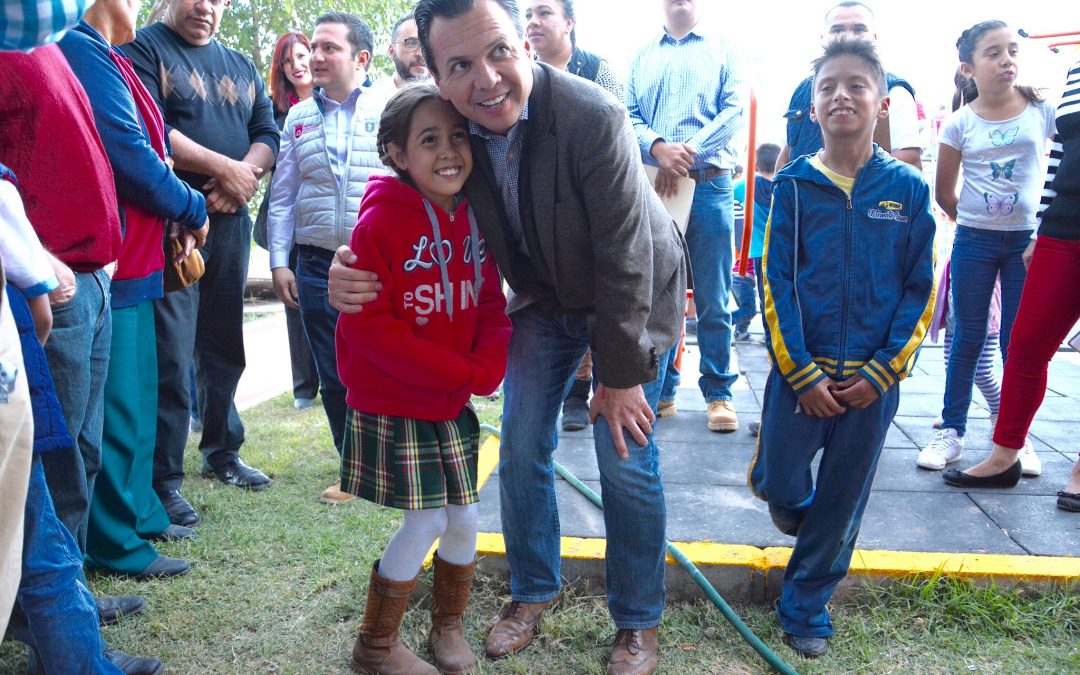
[278, 582]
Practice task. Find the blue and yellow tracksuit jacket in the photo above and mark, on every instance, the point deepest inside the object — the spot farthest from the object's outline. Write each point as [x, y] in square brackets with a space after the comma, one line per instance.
[849, 283]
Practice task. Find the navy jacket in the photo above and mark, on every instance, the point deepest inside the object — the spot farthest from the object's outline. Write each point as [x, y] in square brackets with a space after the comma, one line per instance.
[849, 283]
[50, 429]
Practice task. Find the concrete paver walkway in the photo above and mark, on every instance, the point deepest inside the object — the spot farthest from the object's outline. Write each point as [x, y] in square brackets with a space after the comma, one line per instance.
[910, 511]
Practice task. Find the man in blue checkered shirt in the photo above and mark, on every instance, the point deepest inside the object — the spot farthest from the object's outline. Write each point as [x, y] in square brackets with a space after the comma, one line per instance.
[683, 93]
[25, 24]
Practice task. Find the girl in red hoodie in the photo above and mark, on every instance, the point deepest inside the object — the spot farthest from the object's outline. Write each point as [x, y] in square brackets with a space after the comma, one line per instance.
[436, 335]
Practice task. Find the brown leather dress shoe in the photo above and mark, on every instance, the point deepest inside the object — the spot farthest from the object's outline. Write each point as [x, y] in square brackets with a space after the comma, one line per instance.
[515, 628]
[634, 653]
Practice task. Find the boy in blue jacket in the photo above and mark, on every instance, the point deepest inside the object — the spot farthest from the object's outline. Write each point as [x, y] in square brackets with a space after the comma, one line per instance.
[849, 292]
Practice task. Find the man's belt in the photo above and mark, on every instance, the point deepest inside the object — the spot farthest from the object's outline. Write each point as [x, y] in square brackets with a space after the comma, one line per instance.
[707, 174]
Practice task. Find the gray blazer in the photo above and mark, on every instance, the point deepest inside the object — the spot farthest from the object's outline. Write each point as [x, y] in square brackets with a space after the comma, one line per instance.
[601, 243]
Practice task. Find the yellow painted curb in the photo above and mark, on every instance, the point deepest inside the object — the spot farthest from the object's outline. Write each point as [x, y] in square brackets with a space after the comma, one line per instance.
[863, 563]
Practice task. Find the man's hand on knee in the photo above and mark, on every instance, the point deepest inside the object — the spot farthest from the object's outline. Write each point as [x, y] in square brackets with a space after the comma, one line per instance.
[623, 409]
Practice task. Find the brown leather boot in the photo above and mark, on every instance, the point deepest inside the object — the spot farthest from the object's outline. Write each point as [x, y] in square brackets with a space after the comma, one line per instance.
[453, 584]
[378, 650]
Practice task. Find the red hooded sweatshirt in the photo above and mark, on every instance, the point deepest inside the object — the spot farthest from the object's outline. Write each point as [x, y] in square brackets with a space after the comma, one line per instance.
[421, 350]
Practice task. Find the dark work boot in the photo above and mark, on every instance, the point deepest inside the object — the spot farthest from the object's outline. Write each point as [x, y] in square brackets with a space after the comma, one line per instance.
[575, 410]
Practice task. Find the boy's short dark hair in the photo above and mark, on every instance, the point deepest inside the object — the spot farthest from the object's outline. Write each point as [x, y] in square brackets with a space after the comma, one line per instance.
[360, 36]
[859, 48]
[766, 157]
[846, 4]
[427, 11]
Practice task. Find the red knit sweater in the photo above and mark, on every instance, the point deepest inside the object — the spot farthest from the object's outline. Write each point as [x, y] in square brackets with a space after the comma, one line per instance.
[404, 355]
[48, 138]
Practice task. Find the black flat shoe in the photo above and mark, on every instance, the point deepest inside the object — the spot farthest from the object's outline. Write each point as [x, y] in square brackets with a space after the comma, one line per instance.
[174, 533]
[134, 665]
[1006, 479]
[1069, 501]
[114, 608]
[235, 472]
[807, 647]
[163, 566]
[180, 510]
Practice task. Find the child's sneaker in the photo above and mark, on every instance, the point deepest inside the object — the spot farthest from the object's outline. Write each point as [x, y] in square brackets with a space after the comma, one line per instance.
[1030, 464]
[946, 448]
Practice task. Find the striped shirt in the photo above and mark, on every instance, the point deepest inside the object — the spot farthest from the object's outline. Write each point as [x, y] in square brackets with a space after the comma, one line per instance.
[505, 153]
[687, 91]
[1061, 222]
[25, 24]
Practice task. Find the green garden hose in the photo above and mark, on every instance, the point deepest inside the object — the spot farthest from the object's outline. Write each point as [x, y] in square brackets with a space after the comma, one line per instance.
[748, 635]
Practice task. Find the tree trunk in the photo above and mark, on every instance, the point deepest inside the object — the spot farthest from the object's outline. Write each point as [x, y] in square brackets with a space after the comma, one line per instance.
[256, 39]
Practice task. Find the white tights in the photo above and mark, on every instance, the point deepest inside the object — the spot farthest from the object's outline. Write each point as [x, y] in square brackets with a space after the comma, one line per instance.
[455, 528]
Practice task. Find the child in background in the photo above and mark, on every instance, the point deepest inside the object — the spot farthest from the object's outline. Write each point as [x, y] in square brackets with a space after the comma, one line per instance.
[849, 290]
[437, 333]
[744, 287]
[999, 137]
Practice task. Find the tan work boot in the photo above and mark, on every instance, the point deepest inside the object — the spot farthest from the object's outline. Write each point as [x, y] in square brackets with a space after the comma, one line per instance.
[666, 409]
[635, 652]
[515, 628]
[334, 495]
[378, 649]
[450, 591]
[722, 417]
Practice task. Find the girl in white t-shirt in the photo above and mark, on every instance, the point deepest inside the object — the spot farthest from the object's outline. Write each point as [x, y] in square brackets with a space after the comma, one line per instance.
[999, 138]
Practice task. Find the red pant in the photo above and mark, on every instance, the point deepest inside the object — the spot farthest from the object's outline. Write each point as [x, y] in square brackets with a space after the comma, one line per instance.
[1049, 307]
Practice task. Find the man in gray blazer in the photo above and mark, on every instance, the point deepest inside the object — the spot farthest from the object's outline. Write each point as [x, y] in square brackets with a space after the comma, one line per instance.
[593, 260]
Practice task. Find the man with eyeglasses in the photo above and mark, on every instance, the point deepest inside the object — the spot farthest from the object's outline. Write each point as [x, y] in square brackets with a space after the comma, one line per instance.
[223, 137]
[408, 58]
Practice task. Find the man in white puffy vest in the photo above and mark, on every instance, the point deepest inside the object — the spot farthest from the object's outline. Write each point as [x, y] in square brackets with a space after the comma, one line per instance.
[328, 151]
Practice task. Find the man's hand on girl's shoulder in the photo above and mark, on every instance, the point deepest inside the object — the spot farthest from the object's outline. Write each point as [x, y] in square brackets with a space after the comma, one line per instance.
[350, 289]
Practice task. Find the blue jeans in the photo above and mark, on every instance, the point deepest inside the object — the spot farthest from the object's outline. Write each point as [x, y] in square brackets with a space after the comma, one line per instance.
[320, 325]
[745, 290]
[824, 514]
[55, 614]
[709, 239]
[545, 350]
[979, 256]
[78, 354]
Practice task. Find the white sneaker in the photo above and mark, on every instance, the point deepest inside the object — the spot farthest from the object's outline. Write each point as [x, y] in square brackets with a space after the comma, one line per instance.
[1030, 464]
[946, 448]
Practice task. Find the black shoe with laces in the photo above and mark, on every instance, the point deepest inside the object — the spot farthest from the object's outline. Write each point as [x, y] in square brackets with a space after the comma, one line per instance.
[235, 472]
[807, 647]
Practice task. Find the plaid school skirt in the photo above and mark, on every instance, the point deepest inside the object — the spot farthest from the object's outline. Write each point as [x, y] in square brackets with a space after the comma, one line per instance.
[407, 463]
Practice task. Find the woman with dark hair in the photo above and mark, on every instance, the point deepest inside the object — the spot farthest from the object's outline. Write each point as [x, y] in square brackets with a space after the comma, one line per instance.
[551, 27]
[290, 82]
